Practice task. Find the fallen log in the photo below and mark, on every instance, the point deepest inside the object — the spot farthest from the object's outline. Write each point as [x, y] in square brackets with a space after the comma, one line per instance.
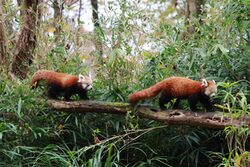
[214, 120]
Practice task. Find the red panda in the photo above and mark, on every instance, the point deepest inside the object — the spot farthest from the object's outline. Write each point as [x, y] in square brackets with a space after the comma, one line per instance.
[62, 84]
[179, 88]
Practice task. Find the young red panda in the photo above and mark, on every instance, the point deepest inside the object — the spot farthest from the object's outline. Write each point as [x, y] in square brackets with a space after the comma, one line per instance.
[63, 84]
[179, 88]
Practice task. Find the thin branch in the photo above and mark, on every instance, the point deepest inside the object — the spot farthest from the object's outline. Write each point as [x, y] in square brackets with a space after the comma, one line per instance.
[118, 138]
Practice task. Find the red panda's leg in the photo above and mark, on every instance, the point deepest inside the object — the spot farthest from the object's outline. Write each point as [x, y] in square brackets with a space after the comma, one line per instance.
[192, 100]
[83, 95]
[68, 93]
[52, 92]
[164, 99]
[205, 100]
[176, 104]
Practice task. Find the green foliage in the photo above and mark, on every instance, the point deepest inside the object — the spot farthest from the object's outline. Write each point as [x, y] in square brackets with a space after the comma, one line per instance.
[140, 48]
[237, 104]
[221, 41]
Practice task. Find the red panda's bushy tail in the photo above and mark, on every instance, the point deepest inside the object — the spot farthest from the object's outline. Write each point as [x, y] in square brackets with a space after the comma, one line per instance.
[146, 93]
[40, 75]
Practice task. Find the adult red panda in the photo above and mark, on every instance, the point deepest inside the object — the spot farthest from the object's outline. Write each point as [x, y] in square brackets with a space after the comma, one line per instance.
[179, 88]
[63, 84]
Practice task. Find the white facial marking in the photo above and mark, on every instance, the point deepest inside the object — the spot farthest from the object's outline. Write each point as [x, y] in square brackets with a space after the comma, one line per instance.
[85, 81]
[213, 94]
[89, 87]
[211, 90]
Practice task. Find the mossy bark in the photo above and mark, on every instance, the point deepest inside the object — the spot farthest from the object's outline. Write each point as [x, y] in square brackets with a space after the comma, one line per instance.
[26, 43]
[213, 120]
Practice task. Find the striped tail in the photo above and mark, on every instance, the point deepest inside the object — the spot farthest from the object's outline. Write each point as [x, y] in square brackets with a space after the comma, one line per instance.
[146, 93]
[39, 75]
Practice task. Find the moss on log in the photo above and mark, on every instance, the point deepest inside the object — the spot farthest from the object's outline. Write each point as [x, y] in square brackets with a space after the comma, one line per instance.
[214, 120]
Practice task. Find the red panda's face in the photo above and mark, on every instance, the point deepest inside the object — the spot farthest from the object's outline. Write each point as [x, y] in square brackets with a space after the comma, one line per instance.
[85, 82]
[210, 88]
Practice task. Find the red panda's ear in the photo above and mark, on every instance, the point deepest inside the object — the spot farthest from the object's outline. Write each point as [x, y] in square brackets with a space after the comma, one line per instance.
[214, 81]
[81, 78]
[204, 83]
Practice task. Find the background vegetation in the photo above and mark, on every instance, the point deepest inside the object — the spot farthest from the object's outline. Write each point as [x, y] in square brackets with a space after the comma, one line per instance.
[131, 45]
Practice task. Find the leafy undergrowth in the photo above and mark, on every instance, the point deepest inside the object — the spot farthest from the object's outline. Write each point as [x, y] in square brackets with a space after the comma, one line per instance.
[31, 134]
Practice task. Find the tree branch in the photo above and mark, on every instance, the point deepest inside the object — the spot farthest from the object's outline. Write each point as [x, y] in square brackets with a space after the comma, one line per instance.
[214, 120]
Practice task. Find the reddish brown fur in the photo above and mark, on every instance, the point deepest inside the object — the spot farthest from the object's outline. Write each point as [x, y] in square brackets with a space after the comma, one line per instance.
[176, 87]
[61, 79]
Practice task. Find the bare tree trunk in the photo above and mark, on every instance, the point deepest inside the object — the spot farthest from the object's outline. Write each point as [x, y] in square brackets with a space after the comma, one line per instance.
[9, 28]
[27, 40]
[58, 8]
[97, 39]
[79, 11]
[193, 10]
[79, 24]
[3, 39]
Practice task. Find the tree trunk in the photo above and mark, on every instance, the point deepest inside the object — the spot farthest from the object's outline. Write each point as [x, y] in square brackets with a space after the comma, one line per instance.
[3, 39]
[58, 8]
[193, 10]
[27, 40]
[213, 120]
[79, 11]
[9, 28]
[97, 28]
